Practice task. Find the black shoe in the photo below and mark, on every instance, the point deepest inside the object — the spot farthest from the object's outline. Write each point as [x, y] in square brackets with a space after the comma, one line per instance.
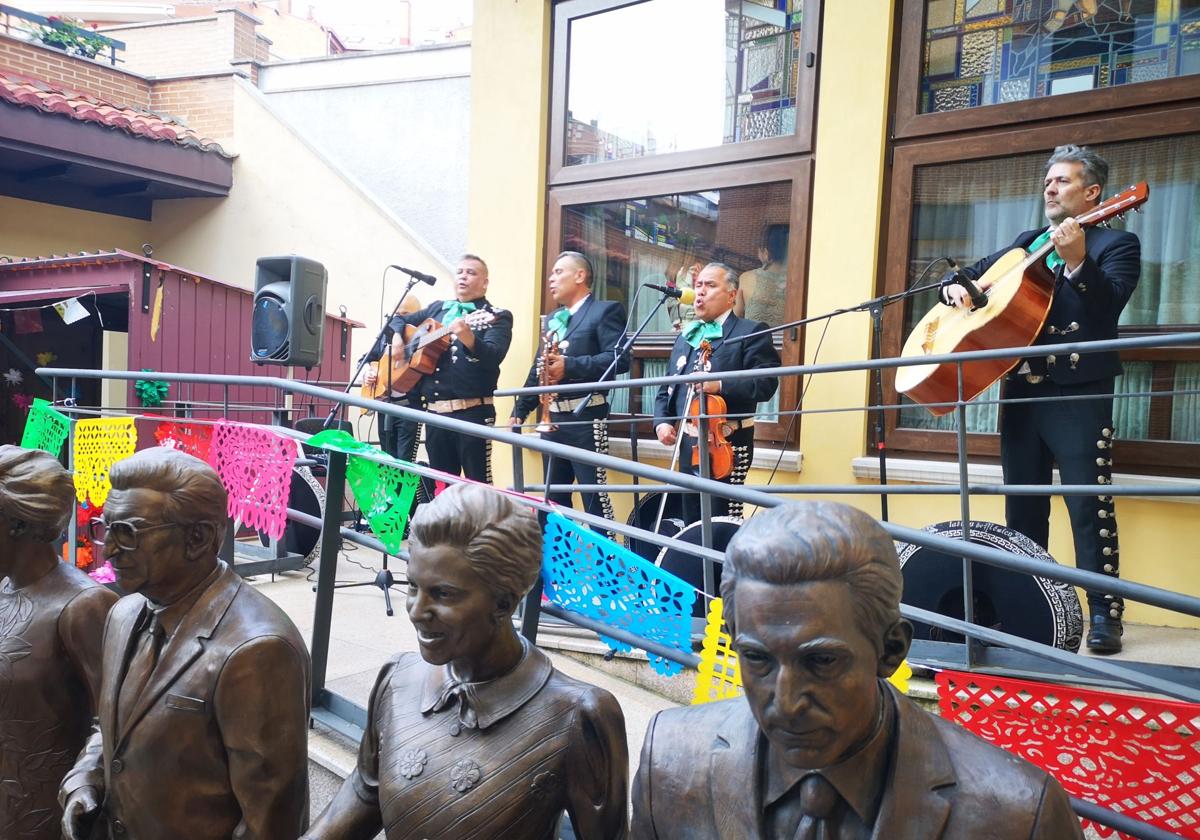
[1105, 636]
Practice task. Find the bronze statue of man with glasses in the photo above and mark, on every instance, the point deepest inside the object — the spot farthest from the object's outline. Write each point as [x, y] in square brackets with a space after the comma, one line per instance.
[204, 701]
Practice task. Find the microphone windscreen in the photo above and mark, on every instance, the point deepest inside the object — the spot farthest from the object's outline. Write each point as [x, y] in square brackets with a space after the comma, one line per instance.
[687, 296]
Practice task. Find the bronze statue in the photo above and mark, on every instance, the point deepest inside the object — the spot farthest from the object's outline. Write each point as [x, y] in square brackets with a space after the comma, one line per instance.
[51, 619]
[821, 746]
[479, 736]
[205, 697]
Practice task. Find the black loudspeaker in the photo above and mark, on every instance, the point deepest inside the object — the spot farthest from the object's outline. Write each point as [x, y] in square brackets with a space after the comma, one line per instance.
[288, 322]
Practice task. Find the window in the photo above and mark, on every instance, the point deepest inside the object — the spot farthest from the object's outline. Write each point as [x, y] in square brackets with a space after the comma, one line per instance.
[974, 63]
[968, 208]
[662, 84]
[680, 134]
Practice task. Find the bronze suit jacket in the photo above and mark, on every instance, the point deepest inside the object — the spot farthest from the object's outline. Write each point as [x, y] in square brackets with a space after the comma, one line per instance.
[944, 783]
[216, 746]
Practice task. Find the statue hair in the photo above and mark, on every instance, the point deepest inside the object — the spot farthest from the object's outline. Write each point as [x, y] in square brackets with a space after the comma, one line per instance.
[35, 490]
[192, 490]
[499, 538]
[805, 542]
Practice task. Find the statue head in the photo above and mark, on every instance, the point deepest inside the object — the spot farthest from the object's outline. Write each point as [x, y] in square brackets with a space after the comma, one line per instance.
[812, 599]
[473, 554]
[164, 521]
[36, 500]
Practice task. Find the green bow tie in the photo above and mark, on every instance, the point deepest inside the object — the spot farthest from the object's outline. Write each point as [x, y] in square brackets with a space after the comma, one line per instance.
[698, 331]
[453, 309]
[557, 323]
[1053, 260]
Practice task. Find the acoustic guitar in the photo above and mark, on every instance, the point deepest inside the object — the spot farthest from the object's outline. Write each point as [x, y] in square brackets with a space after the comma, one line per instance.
[1019, 288]
[423, 346]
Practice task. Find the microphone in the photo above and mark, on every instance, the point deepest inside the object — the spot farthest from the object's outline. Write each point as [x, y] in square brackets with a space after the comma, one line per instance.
[686, 296]
[978, 298]
[416, 275]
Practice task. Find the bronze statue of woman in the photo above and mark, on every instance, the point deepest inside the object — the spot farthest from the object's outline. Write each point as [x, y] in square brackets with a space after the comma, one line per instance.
[479, 736]
[51, 622]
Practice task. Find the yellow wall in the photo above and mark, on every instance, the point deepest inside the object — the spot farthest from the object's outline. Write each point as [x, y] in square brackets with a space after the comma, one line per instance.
[510, 65]
[509, 88]
[286, 199]
[31, 229]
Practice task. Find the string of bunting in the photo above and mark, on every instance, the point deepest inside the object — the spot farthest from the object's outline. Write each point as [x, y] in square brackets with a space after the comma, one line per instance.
[590, 574]
[100, 443]
[384, 492]
[45, 428]
[255, 465]
[192, 438]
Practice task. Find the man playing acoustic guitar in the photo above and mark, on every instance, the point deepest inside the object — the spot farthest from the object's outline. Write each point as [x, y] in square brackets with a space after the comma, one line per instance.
[462, 384]
[1095, 274]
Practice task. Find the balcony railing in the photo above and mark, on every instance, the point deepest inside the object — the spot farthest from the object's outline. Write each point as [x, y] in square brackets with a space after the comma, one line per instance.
[87, 44]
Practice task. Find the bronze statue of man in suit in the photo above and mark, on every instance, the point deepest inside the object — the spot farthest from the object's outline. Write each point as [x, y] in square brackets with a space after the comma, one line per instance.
[205, 695]
[51, 615]
[478, 735]
[821, 746]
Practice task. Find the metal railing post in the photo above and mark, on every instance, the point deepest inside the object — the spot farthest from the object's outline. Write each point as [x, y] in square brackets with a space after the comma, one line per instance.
[964, 501]
[331, 541]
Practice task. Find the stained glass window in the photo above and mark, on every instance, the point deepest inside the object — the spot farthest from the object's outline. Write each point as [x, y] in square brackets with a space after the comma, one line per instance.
[984, 52]
[672, 75]
[967, 210]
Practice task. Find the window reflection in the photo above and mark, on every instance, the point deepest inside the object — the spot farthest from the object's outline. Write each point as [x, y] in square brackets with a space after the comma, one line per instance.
[672, 75]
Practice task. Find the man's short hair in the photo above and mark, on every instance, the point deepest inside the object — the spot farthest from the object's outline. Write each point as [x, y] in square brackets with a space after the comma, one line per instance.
[191, 489]
[581, 261]
[731, 276]
[1095, 168]
[35, 490]
[476, 258]
[499, 538]
[804, 542]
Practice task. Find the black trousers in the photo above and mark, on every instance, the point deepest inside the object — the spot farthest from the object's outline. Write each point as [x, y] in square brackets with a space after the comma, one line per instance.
[398, 438]
[460, 454]
[587, 431]
[1076, 435]
[742, 442]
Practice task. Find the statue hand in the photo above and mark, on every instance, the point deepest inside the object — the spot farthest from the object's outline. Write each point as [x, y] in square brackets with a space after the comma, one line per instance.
[80, 812]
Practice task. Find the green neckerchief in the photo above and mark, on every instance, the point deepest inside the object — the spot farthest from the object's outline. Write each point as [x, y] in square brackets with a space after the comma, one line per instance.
[557, 323]
[698, 331]
[453, 309]
[1053, 260]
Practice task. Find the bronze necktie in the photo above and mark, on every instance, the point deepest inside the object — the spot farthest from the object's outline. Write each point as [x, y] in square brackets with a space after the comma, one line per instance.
[141, 666]
[818, 798]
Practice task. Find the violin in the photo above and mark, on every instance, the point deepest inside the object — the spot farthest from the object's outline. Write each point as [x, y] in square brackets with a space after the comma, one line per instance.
[713, 407]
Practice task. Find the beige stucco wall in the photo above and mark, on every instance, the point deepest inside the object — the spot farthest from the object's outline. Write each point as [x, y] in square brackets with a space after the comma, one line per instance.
[31, 229]
[286, 199]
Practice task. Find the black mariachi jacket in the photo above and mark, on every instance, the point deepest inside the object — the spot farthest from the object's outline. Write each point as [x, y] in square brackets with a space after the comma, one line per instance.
[1085, 306]
[593, 333]
[742, 396]
[461, 373]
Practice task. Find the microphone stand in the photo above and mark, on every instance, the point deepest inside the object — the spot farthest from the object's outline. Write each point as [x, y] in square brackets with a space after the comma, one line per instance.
[875, 307]
[384, 578]
[362, 362]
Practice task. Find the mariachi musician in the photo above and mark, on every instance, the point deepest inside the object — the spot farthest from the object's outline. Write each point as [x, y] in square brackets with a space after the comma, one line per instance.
[1095, 274]
[586, 332]
[462, 384]
[716, 290]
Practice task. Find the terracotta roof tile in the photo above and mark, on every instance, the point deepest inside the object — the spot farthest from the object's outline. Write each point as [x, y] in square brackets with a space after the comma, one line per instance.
[29, 92]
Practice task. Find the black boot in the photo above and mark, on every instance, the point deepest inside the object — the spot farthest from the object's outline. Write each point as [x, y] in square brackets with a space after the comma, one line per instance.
[1105, 635]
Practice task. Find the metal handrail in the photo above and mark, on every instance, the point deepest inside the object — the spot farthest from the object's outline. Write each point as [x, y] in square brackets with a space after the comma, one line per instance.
[12, 11]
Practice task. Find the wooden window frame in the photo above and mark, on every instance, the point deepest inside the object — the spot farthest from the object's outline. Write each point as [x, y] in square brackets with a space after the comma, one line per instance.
[801, 142]
[1157, 457]
[797, 171]
[909, 122]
